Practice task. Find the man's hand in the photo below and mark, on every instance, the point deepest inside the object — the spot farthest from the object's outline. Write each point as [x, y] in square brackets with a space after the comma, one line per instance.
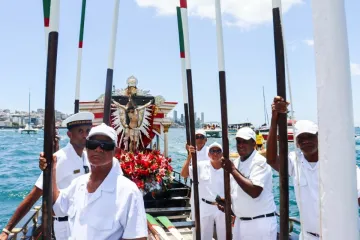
[227, 165]
[4, 236]
[190, 149]
[279, 105]
[43, 164]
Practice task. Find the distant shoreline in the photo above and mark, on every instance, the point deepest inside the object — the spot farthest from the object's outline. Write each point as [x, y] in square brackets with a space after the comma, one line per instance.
[6, 127]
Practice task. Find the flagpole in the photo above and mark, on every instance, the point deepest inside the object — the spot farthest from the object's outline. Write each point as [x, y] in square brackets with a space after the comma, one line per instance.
[184, 16]
[81, 38]
[110, 70]
[282, 121]
[224, 118]
[49, 126]
[337, 179]
[183, 73]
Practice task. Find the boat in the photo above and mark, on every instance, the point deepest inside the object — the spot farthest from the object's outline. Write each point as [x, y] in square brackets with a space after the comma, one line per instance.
[233, 128]
[28, 128]
[212, 129]
[264, 130]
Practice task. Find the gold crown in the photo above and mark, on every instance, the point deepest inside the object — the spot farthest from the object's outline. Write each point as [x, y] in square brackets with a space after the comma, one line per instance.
[132, 81]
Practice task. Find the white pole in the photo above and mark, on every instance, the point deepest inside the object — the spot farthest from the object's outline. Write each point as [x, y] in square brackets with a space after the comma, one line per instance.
[338, 194]
[113, 35]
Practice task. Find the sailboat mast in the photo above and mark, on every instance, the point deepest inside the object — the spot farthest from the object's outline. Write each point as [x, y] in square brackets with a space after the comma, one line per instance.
[338, 201]
[184, 15]
[29, 122]
[265, 111]
[282, 121]
[224, 117]
[78, 75]
[110, 70]
[49, 126]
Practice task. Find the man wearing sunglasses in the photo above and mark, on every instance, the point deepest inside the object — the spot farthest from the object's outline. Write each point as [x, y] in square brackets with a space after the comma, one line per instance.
[251, 190]
[211, 185]
[72, 163]
[202, 151]
[102, 204]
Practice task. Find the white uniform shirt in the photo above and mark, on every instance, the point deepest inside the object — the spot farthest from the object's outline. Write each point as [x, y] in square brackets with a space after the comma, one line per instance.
[308, 178]
[211, 184]
[69, 166]
[259, 173]
[114, 211]
[203, 154]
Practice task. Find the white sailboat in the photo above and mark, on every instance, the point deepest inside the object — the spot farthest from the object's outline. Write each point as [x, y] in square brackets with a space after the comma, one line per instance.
[28, 129]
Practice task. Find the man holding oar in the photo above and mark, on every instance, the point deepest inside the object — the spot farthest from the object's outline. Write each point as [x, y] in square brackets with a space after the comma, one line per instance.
[102, 204]
[73, 163]
[211, 185]
[303, 167]
[251, 190]
[202, 151]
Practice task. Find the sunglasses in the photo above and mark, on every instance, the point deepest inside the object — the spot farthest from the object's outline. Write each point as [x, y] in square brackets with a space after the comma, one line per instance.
[199, 137]
[106, 146]
[242, 141]
[215, 151]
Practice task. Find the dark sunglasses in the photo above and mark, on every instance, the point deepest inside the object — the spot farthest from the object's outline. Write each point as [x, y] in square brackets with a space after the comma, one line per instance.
[243, 141]
[106, 146]
[215, 151]
[199, 137]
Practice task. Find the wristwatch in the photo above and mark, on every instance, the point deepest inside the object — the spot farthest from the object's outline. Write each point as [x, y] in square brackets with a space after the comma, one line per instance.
[6, 231]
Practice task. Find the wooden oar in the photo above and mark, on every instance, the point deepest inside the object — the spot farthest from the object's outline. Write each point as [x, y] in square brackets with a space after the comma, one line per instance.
[49, 126]
[184, 17]
[153, 231]
[282, 121]
[110, 70]
[224, 118]
[157, 227]
[172, 229]
[78, 74]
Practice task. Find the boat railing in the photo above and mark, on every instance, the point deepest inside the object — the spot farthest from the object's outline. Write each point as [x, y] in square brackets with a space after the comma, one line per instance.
[26, 230]
[177, 176]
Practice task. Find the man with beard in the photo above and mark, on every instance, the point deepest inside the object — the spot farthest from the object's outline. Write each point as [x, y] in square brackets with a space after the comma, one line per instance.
[252, 199]
[303, 167]
[72, 163]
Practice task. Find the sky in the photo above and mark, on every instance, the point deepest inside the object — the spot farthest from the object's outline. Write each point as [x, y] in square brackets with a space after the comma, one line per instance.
[147, 47]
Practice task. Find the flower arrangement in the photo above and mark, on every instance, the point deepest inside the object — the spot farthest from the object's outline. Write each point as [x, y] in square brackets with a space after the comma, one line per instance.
[150, 171]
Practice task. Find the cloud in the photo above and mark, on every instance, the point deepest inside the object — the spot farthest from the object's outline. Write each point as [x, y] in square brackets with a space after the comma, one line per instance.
[244, 13]
[309, 42]
[355, 69]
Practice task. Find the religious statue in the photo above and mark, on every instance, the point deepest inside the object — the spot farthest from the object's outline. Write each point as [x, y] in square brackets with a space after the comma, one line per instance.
[130, 121]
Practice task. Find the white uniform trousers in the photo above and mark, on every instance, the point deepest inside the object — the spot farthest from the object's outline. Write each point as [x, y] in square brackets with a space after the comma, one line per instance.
[207, 226]
[257, 229]
[62, 230]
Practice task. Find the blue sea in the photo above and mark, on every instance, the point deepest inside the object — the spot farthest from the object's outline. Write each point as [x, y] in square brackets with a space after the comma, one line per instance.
[19, 165]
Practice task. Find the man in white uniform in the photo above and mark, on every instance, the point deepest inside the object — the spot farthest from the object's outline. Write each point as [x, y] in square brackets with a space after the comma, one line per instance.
[102, 204]
[303, 167]
[72, 163]
[202, 151]
[252, 199]
[211, 184]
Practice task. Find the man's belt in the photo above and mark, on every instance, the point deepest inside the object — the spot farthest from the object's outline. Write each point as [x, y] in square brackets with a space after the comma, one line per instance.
[260, 216]
[208, 202]
[313, 234]
[61, 219]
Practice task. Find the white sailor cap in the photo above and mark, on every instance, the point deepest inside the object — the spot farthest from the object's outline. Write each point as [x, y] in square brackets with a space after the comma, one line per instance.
[246, 133]
[215, 144]
[200, 132]
[79, 119]
[103, 130]
[305, 126]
